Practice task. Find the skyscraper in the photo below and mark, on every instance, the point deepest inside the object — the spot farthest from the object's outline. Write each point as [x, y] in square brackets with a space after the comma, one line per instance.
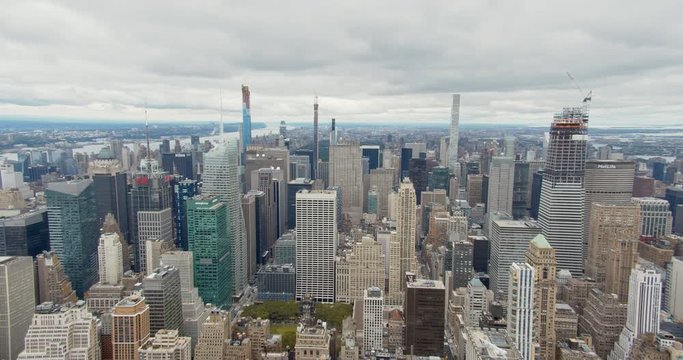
[541, 256]
[155, 229]
[509, 240]
[215, 336]
[609, 225]
[130, 327]
[166, 345]
[642, 316]
[52, 284]
[18, 299]
[501, 181]
[66, 331]
[406, 223]
[150, 191]
[162, 294]
[607, 182]
[656, 216]
[182, 190]
[561, 212]
[424, 308]
[453, 144]
[462, 267]
[314, 158]
[316, 244]
[346, 171]
[673, 294]
[373, 319]
[221, 179]
[520, 311]
[194, 313]
[111, 189]
[110, 255]
[74, 228]
[209, 241]
[246, 117]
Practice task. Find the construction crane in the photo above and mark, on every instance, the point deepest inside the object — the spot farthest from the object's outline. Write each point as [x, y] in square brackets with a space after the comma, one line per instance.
[586, 99]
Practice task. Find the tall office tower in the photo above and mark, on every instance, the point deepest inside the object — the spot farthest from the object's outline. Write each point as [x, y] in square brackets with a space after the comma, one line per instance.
[373, 319]
[561, 212]
[110, 255]
[210, 242]
[366, 268]
[166, 345]
[509, 240]
[673, 293]
[111, 189]
[521, 190]
[316, 244]
[642, 316]
[520, 311]
[609, 225]
[406, 223]
[439, 178]
[418, 175]
[66, 331]
[284, 250]
[406, 155]
[656, 217]
[383, 180]
[463, 255]
[299, 167]
[111, 226]
[194, 313]
[162, 294]
[252, 223]
[603, 319]
[18, 298]
[215, 336]
[346, 171]
[607, 182]
[424, 309]
[154, 226]
[151, 191]
[621, 259]
[315, 157]
[476, 302]
[674, 195]
[52, 284]
[501, 185]
[130, 327]
[269, 181]
[443, 150]
[394, 295]
[372, 152]
[25, 234]
[74, 228]
[182, 190]
[221, 179]
[541, 256]
[292, 188]
[453, 142]
[474, 189]
[246, 118]
[536, 187]
[643, 186]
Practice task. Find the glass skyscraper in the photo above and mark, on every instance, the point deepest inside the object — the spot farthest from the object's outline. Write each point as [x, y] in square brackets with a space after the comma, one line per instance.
[210, 242]
[74, 230]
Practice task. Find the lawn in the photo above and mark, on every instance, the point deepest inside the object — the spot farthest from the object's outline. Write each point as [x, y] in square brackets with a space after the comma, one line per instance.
[288, 332]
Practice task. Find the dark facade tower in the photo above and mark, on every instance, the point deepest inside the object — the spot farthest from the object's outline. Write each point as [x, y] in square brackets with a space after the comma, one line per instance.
[246, 117]
[424, 311]
[314, 168]
[561, 210]
[151, 191]
[111, 189]
[182, 190]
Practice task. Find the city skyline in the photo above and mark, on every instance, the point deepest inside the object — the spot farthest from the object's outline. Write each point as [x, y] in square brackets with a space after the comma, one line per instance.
[387, 69]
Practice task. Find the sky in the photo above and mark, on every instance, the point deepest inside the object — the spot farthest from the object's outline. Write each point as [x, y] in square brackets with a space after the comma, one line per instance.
[383, 61]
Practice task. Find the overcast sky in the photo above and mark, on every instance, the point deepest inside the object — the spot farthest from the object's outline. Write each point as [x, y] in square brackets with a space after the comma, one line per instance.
[386, 60]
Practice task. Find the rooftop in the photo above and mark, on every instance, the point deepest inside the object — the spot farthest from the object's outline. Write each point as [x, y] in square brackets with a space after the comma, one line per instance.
[540, 242]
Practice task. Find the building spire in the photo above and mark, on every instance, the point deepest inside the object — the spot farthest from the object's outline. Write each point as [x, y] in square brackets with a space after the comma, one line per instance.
[149, 149]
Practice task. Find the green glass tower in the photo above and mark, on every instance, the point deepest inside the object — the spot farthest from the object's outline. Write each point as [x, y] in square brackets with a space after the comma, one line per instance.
[74, 230]
[208, 238]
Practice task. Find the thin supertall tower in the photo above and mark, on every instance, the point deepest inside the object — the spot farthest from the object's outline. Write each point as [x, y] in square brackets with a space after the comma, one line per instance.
[406, 223]
[562, 203]
[246, 118]
[314, 168]
[453, 144]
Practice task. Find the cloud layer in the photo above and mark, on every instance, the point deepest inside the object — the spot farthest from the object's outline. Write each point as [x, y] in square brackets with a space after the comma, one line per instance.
[367, 60]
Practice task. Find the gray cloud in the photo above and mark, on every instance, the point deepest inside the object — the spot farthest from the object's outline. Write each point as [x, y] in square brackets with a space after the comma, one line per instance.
[373, 60]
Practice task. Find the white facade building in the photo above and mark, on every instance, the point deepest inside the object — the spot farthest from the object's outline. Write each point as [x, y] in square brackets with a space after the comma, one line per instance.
[501, 184]
[520, 314]
[316, 244]
[110, 256]
[656, 216]
[373, 319]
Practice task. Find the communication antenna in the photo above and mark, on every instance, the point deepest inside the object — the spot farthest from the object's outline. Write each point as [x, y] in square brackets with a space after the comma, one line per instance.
[149, 149]
[220, 126]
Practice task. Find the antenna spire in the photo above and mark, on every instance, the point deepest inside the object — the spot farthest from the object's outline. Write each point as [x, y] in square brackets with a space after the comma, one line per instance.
[149, 149]
[220, 126]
